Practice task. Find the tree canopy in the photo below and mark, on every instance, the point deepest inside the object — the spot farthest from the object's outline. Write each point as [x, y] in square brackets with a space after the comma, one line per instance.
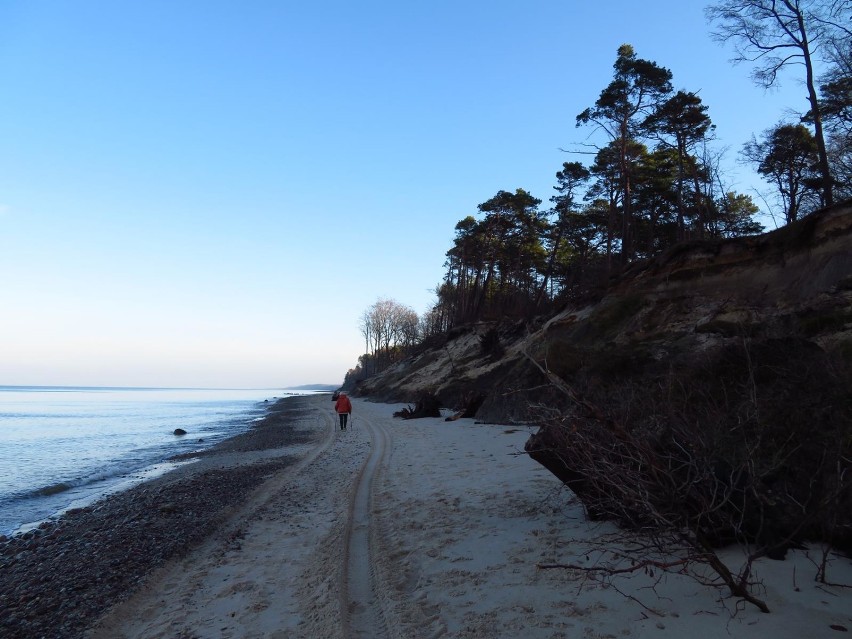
[654, 181]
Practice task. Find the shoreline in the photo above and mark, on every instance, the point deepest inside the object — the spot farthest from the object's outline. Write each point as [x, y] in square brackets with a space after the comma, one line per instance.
[81, 445]
[462, 536]
[60, 576]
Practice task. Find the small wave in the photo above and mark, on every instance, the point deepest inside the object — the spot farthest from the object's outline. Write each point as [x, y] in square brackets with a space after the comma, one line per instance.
[101, 475]
[53, 489]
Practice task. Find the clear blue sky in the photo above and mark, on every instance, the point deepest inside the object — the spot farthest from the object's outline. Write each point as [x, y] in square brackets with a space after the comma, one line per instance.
[211, 193]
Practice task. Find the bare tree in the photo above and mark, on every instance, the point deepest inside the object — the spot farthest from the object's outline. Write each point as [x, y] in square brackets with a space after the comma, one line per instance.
[836, 105]
[370, 343]
[776, 34]
[389, 329]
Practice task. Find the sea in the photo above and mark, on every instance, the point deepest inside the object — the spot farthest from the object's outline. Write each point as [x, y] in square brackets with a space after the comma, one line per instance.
[66, 447]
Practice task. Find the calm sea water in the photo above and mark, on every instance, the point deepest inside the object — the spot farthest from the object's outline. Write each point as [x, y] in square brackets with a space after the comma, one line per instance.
[64, 447]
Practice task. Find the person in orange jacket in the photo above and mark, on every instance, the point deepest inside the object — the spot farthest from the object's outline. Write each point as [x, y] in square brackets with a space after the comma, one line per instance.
[343, 407]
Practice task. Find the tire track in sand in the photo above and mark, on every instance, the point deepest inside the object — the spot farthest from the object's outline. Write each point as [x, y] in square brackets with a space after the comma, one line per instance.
[361, 610]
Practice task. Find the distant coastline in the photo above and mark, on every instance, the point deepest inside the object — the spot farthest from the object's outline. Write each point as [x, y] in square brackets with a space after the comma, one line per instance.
[313, 387]
[54, 387]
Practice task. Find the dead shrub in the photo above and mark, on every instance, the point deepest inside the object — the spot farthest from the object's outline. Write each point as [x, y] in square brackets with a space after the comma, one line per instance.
[749, 445]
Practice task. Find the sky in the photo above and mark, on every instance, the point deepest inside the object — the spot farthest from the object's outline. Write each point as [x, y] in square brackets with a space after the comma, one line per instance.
[211, 194]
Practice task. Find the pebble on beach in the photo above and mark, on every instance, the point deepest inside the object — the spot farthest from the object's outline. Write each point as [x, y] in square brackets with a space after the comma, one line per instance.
[57, 579]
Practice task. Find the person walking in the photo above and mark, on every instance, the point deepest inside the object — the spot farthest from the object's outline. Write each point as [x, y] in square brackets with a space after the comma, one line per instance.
[343, 407]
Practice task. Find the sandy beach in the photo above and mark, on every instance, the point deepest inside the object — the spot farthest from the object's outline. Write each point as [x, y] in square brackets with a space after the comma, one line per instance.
[420, 528]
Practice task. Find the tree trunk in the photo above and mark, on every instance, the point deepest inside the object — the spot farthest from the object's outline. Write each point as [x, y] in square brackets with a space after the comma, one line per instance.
[824, 169]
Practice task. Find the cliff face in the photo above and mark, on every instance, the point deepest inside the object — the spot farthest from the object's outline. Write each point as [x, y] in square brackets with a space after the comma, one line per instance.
[791, 286]
[709, 390]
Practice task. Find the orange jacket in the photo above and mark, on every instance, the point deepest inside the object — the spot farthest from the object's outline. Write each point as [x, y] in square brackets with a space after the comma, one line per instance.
[343, 405]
